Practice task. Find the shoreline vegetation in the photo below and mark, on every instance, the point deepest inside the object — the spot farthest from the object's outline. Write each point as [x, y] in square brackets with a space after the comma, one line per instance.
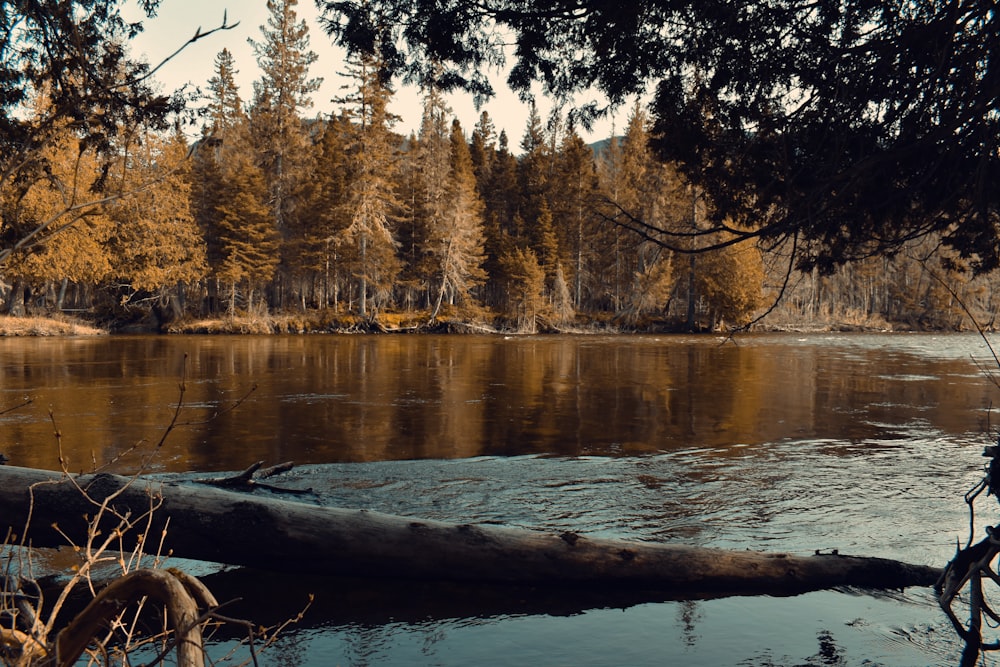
[314, 322]
[48, 326]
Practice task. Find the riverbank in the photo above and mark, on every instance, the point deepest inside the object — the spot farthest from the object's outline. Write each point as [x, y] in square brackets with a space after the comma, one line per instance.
[396, 323]
[47, 326]
[332, 322]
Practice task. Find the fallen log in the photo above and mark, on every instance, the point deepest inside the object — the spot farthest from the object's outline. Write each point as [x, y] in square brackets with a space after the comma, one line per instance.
[211, 524]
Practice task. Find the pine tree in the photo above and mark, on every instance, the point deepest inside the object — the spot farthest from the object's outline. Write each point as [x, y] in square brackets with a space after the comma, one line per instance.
[574, 195]
[483, 150]
[225, 108]
[206, 189]
[248, 239]
[230, 202]
[224, 135]
[543, 240]
[456, 240]
[328, 207]
[372, 201]
[641, 188]
[730, 281]
[432, 164]
[526, 280]
[501, 199]
[410, 231]
[534, 180]
[282, 143]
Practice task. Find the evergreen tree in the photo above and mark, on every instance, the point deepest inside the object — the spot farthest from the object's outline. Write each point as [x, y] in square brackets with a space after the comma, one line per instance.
[456, 239]
[502, 188]
[225, 133]
[730, 281]
[372, 200]
[282, 143]
[574, 197]
[644, 197]
[483, 150]
[322, 253]
[501, 197]
[526, 281]
[157, 245]
[206, 189]
[410, 233]
[248, 239]
[230, 202]
[534, 181]
[71, 249]
[433, 187]
[542, 238]
[225, 108]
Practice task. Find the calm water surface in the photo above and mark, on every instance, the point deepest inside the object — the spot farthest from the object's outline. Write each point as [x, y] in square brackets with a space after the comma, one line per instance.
[862, 443]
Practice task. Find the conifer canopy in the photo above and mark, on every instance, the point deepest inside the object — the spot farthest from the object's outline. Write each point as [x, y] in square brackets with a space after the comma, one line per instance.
[845, 126]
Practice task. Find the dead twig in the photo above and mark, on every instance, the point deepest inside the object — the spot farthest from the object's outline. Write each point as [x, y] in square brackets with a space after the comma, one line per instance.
[114, 625]
[245, 480]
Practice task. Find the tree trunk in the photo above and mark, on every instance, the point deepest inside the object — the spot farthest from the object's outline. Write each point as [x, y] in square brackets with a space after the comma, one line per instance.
[61, 298]
[440, 299]
[15, 299]
[237, 528]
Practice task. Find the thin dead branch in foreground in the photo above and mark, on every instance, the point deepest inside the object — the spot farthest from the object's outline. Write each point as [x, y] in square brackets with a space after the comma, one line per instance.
[124, 540]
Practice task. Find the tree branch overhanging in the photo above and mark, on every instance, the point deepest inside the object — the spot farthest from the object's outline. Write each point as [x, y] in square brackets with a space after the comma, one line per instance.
[869, 124]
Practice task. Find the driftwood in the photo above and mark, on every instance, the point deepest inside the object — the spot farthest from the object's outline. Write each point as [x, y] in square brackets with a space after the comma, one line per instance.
[973, 565]
[211, 524]
[245, 481]
[180, 593]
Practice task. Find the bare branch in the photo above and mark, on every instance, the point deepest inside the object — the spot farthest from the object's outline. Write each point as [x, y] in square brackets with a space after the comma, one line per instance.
[198, 35]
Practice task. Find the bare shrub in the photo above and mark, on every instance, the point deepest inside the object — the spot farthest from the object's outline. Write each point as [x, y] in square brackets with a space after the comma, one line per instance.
[136, 608]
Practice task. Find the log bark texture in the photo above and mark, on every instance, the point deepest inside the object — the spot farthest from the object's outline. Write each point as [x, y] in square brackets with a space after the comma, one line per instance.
[216, 525]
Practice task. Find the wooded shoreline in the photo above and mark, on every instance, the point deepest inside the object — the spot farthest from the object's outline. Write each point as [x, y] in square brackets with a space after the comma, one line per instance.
[11, 326]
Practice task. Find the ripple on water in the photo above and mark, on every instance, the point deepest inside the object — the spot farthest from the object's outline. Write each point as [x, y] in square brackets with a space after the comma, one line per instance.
[879, 498]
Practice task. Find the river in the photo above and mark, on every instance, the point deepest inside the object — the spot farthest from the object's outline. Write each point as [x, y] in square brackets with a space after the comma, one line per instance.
[858, 442]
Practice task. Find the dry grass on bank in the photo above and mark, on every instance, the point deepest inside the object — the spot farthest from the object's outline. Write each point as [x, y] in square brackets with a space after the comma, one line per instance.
[324, 321]
[46, 326]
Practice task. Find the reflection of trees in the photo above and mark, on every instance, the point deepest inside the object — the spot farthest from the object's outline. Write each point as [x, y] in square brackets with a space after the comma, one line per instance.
[689, 615]
[717, 401]
[365, 398]
[366, 644]
[573, 396]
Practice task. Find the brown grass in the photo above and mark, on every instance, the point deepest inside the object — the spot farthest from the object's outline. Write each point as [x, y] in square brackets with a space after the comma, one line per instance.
[322, 321]
[46, 326]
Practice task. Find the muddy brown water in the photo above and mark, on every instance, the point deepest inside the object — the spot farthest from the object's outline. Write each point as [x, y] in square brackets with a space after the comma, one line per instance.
[863, 443]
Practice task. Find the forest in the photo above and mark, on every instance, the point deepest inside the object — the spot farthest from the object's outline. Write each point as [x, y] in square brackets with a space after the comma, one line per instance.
[334, 221]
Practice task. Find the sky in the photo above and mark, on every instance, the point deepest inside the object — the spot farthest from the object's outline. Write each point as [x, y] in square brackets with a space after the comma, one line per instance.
[177, 21]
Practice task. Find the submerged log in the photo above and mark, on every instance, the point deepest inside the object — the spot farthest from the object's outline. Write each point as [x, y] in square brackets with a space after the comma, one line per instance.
[222, 526]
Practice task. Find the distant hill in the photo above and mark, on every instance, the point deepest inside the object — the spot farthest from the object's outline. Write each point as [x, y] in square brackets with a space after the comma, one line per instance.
[600, 146]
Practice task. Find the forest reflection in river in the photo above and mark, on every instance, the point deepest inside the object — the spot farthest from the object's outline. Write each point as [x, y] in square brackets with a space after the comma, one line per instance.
[781, 442]
[324, 399]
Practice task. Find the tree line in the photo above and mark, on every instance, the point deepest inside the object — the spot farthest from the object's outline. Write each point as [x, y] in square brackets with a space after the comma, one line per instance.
[273, 210]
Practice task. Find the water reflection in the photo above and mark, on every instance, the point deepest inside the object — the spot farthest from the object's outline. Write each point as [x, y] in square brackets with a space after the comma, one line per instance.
[860, 443]
[323, 399]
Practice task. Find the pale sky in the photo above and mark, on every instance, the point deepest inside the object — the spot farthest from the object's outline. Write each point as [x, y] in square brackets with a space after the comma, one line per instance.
[177, 21]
